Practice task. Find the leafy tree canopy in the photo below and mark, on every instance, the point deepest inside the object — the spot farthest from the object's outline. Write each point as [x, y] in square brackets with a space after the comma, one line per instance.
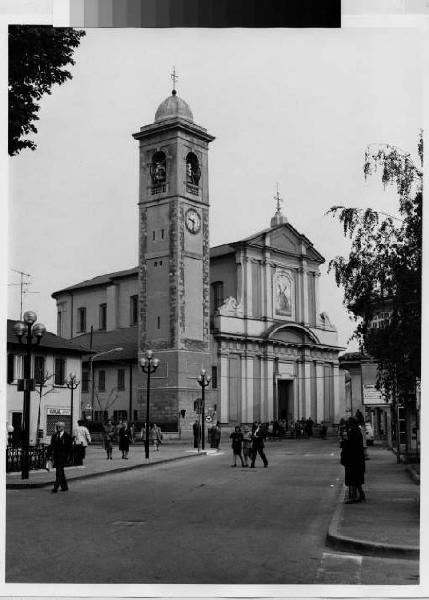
[382, 274]
[38, 56]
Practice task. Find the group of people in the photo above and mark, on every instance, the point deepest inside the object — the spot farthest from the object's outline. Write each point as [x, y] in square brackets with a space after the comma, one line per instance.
[213, 433]
[125, 435]
[246, 444]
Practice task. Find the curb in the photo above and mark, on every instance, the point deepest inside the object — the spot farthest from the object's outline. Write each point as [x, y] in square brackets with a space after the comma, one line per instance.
[412, 473]
[341, 542]
[42, 484]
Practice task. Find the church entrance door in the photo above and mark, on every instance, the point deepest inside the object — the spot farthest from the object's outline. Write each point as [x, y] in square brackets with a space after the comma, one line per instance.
[285, 400]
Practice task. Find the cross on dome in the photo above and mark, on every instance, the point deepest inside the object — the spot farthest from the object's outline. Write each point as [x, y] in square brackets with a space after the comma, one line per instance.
[279, 218]
[174, 78]
[278, 200]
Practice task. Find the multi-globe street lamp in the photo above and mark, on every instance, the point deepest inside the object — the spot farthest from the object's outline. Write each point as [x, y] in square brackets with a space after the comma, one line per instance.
[149, 365]
[72, 382]
[91, 373]
[28, 328]
[203, 380]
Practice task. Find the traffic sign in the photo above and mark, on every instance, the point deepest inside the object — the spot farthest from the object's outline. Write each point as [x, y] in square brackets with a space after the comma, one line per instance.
[208, 419]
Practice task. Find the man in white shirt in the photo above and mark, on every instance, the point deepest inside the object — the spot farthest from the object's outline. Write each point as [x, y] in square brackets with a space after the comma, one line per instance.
[82, 438]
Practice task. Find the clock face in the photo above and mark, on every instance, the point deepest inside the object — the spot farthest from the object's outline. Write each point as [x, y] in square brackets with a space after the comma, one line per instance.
[192, 220]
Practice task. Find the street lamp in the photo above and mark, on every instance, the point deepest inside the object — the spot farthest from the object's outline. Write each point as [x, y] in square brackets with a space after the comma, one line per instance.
[204, 381]
[72, 383]
[148, 365]
[28, 328]
[91, 374]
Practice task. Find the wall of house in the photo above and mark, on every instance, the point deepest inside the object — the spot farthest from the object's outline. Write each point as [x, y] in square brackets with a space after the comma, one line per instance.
[55, 401]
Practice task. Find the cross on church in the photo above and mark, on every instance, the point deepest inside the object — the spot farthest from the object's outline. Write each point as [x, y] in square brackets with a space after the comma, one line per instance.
[278, 199]
[174, 78]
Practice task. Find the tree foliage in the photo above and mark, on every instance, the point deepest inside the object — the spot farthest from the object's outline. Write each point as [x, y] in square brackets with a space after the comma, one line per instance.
[38, 56]
[383, 272]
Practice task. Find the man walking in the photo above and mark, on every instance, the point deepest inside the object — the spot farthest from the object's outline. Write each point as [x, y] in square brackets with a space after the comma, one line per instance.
[59, 452]
[258, 445]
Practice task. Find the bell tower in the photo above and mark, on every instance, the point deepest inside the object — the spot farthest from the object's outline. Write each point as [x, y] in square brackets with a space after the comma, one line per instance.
[174, 254]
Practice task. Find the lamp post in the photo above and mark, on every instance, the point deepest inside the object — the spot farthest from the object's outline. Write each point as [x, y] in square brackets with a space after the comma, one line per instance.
[72, 383]
[203, 381]
[28, 328]
[148, 365]
[91, 374]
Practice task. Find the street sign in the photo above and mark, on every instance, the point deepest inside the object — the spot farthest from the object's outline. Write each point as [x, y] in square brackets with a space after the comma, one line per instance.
[208, 419]
[58, 412]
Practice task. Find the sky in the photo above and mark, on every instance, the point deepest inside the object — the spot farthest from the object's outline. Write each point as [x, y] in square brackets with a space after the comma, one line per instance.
[292, 107]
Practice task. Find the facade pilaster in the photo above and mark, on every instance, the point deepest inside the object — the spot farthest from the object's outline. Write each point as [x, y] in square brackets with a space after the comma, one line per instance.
[267, 400]
[224, 387]
[247, 388]
[336, 390]
[304, 298]
[320, 390]
[247, 290]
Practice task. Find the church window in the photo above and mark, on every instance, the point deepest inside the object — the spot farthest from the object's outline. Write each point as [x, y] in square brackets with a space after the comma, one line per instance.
[193, 174]
[214, 378]
[101, 381]
[153, 235]
[10, 368]
[81, 313]
[102, 316]
[158, 173]
[134, 300]
[158, 324]
[217, 287]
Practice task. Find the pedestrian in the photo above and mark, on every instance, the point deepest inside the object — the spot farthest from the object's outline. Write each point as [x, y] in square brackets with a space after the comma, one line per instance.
[353, 460]
[323, 430]
[82, 438]
[108, 436]
[156, 436]
[236, 438]
[309, 427]
[247, 445]
[258, 445]
[59, 451]
[196, 429]
[216, 435]
[124, 440]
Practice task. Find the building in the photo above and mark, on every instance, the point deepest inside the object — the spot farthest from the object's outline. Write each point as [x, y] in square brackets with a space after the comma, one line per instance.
[248, 312]
[54, 359]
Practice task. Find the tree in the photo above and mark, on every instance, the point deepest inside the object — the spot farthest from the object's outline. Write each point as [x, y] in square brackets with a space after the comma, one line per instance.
[37, 57]
[42, 378]
[383, 271]
[105, 402]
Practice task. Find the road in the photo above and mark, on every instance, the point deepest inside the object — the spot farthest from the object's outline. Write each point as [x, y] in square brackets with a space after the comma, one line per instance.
[197, 521]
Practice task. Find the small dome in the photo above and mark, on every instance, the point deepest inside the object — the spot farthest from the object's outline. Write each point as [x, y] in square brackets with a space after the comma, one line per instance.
[173, 106]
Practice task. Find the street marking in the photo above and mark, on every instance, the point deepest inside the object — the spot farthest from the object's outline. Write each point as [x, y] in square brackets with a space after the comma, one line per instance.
[339, 569]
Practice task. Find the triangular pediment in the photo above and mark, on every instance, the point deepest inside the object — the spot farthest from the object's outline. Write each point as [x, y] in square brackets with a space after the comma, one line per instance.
[285, 240]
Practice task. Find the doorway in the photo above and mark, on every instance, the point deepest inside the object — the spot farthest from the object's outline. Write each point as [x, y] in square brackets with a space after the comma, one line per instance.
[285, 403]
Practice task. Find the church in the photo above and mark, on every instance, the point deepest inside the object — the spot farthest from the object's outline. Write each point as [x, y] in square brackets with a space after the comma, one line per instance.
[247, 311]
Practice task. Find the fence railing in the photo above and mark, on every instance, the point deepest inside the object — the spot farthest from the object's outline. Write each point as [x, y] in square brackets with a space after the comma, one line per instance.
[37, 457]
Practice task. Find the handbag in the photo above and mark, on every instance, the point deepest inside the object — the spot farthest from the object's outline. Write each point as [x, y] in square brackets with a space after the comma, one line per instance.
[49, 465]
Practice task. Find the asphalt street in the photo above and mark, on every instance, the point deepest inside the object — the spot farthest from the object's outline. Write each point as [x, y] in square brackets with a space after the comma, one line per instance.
[197, 521]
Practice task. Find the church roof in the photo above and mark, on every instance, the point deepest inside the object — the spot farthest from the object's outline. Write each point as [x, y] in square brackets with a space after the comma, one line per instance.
[125, 338]
[173, 107]
[98, 280]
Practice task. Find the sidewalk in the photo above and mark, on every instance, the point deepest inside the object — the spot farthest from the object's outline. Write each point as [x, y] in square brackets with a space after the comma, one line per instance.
[387, 523]
[96, 465]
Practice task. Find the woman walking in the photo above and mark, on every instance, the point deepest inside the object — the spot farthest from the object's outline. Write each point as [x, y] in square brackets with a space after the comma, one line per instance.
[237, 444]
[125, 436]
[247, 445]
[156, 436]
[108, 435]
[353, 460]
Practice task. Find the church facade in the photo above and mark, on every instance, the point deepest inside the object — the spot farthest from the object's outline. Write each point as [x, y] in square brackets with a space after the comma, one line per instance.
[247, 312]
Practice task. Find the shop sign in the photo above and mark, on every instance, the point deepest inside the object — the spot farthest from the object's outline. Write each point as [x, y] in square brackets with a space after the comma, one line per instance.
[58, 412]
[371, 395]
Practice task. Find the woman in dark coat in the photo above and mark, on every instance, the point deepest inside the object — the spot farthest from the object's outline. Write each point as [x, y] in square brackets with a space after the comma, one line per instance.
[353, 460]
[125, 437]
